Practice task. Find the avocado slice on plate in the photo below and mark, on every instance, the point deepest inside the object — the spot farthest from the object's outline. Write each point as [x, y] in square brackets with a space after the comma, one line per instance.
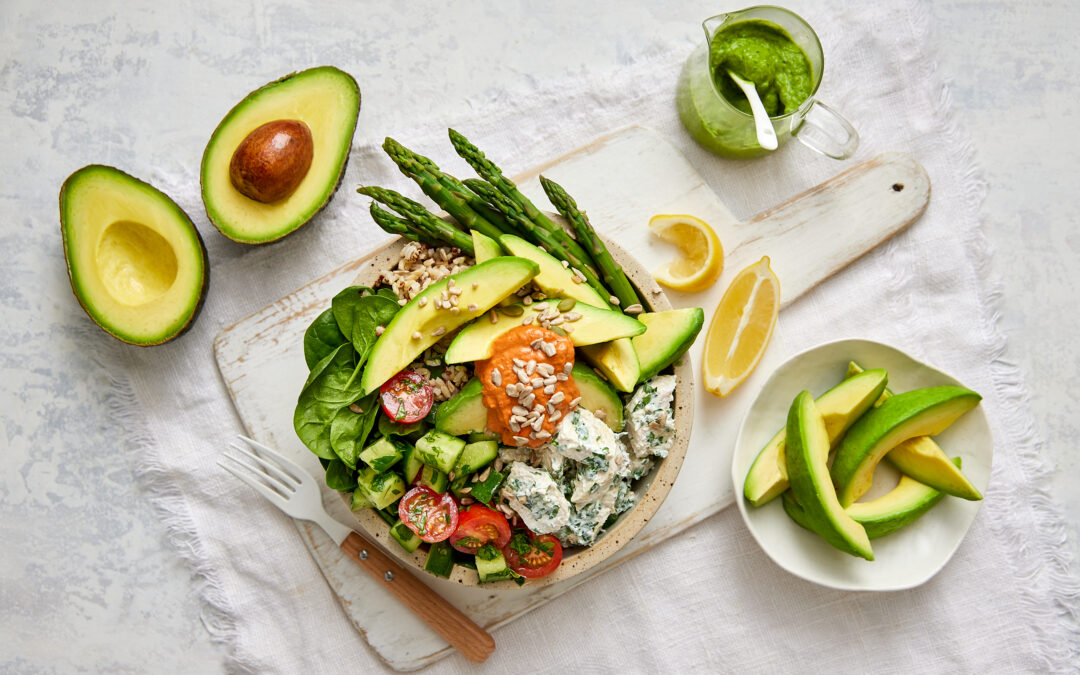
[475, 341]
[327, 101]
[807, 453]
[136, 262]
[920, 412]
[484, 247]
[421, 323]
[597, 394]
[898, 508]
[668, 337]
[553, 278]
[617, 360]
[840, 406]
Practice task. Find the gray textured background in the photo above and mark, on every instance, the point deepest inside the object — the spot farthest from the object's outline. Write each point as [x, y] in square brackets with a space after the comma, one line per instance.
[87, 578]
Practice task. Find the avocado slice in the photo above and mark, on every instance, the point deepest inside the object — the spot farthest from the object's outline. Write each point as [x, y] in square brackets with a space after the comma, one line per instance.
[484, 247]
[464, 413]
[924, 460]
[898, 508]
[668, 337]
[475, 341]
[553, 278]
[136, 263]
[617, 360]
[597, 394]
[921, 412]
[840, 406]
[327, 100]
[807, 452]
[420, 323]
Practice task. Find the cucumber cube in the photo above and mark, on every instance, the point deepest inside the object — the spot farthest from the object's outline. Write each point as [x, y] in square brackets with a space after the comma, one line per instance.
[440, 450]
[381, 455]
[412, 465]
[491, 565]
[476, 456]
[404, 536]
[359, 500]
[382, 489]
[434, 479]
[440, 560]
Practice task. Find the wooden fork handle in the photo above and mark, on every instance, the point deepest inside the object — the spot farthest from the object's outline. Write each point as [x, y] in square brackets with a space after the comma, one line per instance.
[471, 640]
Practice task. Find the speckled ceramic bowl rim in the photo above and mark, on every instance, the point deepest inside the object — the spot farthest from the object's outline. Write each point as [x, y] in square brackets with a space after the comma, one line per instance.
[651, 489]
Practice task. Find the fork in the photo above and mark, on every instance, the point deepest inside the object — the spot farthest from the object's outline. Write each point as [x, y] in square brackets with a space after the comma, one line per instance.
[293, 490]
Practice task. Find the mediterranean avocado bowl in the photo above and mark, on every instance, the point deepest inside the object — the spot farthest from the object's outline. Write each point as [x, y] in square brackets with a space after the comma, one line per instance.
[860, 467]
[491, 420]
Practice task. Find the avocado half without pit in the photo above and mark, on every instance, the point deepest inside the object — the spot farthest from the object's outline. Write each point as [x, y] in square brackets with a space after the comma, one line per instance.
[279, 155]
[136, 262]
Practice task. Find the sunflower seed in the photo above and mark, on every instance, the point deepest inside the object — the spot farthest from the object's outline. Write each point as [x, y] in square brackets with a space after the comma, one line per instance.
[527, 320]
[549, 389]
[543, 434]
[484, 476]
[635, 308]
[557, 398]
[465, 501]
[567, 367]
[496, 377]
[527, 301]
[530, 367]
[561, 377]
[519, 410]
[416, 335]
[549, 349]
[422, 302]
[574, 403]
[520, 441]
[545, 369]
[528, 400]
[494, 316]
[571, 316]
[555, 415]
[519, 363]
[600, 414]
[473, 307]
[441, 330]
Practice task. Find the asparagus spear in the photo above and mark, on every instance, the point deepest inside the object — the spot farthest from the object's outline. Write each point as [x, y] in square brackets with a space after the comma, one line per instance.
[425, 173]
[392, 224]
[514, 213]
[432, 227]
[493, 174]
[612, 273]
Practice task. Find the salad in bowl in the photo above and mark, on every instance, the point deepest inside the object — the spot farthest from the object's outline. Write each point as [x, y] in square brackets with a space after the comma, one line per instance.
[508, 409]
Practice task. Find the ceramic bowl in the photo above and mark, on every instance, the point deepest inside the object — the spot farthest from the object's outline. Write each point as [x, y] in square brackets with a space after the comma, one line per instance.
[651, 489]
[904, 559]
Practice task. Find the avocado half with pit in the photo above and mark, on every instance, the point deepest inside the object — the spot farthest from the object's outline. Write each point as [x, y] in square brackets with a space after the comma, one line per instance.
[136, 263]
[279, 155]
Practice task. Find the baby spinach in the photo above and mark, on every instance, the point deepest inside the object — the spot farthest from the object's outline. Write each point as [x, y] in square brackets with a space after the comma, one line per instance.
[340, 477]
[349, 430]
[388, 427]
[333, 384]
[358, 312]
[321, 338]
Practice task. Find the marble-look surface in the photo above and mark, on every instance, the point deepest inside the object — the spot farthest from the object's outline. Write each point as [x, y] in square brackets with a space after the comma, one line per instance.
[88, 581]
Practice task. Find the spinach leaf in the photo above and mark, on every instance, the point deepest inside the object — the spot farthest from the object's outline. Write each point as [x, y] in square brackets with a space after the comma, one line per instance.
[321, 338]
[340, 477]
[388, 427]
[358, 315]
[333, 384]
[349, 430]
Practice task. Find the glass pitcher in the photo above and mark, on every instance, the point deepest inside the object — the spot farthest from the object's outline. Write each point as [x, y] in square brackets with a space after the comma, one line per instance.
[722, 128]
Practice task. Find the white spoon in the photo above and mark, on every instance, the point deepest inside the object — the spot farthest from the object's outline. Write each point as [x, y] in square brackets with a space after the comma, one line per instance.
[766, 135]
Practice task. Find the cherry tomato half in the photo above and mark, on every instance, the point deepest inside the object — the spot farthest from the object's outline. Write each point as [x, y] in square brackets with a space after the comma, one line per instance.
[532, 555]
[479, 525]
[432, 516]
[406, 397]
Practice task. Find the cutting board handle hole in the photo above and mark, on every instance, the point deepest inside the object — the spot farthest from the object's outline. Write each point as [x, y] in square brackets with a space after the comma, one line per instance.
[897, 187]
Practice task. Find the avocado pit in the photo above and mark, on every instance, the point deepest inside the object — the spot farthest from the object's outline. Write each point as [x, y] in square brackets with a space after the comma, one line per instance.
[271, 161]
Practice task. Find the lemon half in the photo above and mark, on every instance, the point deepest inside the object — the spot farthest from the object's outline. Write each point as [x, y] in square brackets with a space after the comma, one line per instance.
[702, 258]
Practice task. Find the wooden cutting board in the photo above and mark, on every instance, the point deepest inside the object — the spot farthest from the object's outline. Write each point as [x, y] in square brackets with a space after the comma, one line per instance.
[261, 357]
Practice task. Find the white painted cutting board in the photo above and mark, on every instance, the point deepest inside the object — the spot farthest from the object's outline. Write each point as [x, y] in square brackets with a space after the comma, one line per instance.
[261, 357]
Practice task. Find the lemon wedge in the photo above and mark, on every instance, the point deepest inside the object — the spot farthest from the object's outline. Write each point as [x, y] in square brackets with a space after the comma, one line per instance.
[741, 328]
[702, 258]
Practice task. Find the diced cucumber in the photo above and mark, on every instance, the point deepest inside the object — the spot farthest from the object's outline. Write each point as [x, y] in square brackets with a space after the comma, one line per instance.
[383, 489]
[434, 479]
[439, 450]
[456, 485]
[412, 465]
[404, 536]
[389, 514]
[476, 456]
[359, 500]
[484, 490]
[381, 455]
[491, 565]
[440, 561]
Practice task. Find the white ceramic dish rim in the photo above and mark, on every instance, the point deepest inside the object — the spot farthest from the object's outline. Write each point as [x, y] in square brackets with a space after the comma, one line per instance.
[936, 536]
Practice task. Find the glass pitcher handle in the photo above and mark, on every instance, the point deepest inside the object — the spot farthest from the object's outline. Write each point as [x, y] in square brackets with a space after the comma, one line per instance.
[823, 129]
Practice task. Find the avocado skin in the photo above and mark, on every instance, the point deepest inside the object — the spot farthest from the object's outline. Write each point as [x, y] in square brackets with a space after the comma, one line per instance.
[232, 111]
[71, 280]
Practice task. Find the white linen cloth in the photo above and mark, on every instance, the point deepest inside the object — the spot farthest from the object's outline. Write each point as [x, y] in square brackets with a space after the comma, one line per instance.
[710, 599]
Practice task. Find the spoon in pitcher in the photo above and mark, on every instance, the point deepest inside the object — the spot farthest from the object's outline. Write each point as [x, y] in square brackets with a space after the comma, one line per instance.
[766, 135]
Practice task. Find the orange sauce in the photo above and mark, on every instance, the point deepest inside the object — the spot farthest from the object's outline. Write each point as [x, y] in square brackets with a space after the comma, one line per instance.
[518, 344]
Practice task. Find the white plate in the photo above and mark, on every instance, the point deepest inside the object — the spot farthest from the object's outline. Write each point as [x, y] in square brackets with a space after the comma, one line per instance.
[904, 559]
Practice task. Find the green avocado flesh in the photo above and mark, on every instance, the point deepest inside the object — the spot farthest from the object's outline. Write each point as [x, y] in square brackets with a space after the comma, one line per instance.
[668, 337]
[900, 507]
[484, 247]
[807, 453]
[324, 98]
[617, 360]
[136, 262]
[840, 406]
[475, 341]
[921, 412]
[464, 413]
[597, 394]
[420, 324]
[553, 278]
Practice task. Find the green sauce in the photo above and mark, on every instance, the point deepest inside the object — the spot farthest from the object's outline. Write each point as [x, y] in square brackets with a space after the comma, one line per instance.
[763, 53]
